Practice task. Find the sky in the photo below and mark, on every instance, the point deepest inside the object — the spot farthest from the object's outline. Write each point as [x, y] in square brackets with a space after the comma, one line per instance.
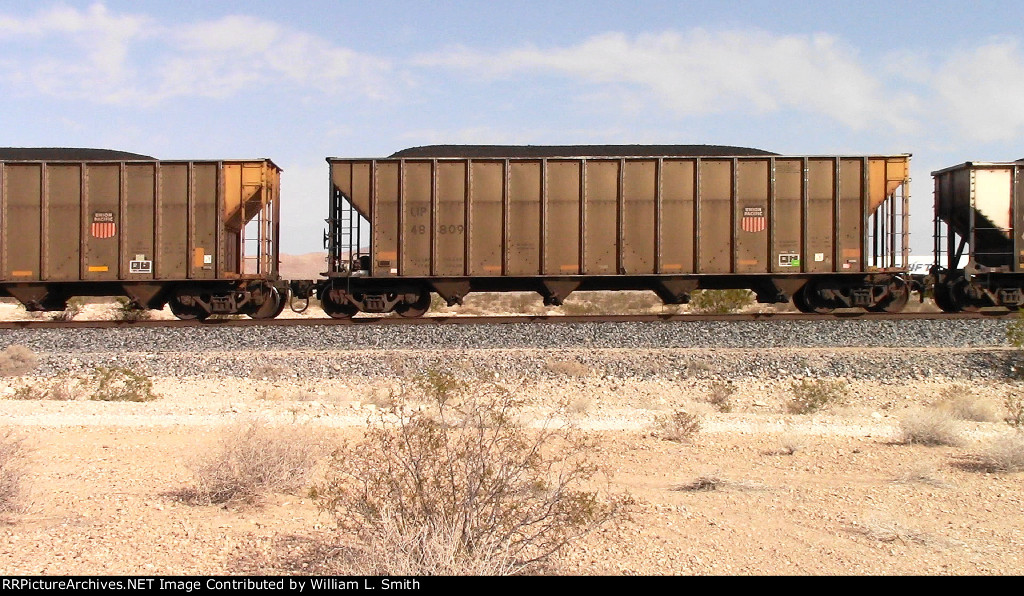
[299, 82]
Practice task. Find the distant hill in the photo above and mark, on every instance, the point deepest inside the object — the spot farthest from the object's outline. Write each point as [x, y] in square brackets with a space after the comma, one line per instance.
[307, 266]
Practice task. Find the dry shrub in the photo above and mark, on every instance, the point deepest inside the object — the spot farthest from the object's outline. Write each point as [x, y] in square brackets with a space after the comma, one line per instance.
[269, 372]
[720, 302]
[72, 310]
[963, 404]
[463, 488]
[720, 396]
[569, 368]
[930, 426]
[1005, 454]
[812, 395]
[17, 360]
[884, 529]
[1015, 410]
[12, 471]
[63, 388]
[253, 460]
[680, 426]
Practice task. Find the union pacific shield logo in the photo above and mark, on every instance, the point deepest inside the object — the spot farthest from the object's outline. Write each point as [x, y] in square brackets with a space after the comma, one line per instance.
[103, 225]
[753, 219]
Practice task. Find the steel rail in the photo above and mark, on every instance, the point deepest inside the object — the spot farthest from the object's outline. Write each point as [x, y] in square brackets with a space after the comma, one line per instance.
[504, 319]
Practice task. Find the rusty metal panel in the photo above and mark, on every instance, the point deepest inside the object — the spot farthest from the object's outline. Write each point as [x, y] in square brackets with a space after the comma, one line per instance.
[23, 221]
[820, 215]
[355, 180]
[601, 222]
[562, 217]
[639, 189]
[677, 220]
[850, 223]
[787, 217]
[523, 215]
[386, 218]
[486, 219]
[172, 259]
[715, 200]
[62, 223]
[203, 220]
[417, 217]
[137, 225]
[101, 220]
[449, 230]
[751, 216]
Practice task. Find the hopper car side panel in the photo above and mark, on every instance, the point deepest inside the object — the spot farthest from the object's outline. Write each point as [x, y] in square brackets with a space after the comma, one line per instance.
[154, 231]
[979, 215]
[670, 224]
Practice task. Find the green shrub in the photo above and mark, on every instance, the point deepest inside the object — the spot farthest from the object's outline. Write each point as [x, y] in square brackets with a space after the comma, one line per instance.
[119, 384]
[461, 487]
[718, 302]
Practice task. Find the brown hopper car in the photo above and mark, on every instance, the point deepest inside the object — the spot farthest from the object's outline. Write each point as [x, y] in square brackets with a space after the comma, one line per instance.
[979, 214]
[201, 236]
[825, 231]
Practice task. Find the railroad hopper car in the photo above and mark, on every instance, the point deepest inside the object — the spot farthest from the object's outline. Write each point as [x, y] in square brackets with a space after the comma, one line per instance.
[979, 216]
[201, 236]
[825, 231]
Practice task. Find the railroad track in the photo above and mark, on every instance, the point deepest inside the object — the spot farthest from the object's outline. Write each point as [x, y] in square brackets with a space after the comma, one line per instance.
[504, 319]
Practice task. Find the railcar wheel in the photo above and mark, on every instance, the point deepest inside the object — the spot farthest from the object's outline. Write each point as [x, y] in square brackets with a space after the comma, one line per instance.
[335, 310]
[186, 313]
[415, 309]
[958, 295]
[899, 296]
[806, 301]
[943, 299]
[800, 302]
[271, 307]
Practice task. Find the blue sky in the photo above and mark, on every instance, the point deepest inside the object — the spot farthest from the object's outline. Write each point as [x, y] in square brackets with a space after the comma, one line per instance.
[207, 80]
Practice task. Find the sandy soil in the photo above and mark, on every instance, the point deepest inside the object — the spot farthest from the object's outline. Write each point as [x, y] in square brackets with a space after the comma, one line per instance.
[831, 493]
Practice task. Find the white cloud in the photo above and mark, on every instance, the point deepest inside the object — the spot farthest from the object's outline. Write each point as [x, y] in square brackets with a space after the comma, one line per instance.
[704, 72]
[979, 91]
[129, 59]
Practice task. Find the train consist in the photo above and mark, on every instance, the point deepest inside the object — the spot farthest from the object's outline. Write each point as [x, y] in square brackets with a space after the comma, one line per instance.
[826, 232]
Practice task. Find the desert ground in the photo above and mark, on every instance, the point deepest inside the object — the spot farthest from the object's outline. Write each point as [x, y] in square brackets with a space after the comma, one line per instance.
[752, 488]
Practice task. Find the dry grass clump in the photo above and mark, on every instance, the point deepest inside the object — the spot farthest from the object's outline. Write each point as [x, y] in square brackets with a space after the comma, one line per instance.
[1015, 411]
[268, 372]
[63, 388]
[812, 395]
[930, 426]
[720, 396]
[886, 530]
[17, 360]
[1005, 454]
[462, 488]
[12, 471]
[253, 460]
[568, 368]
[962, 403]
[101, 384]
[680, 426]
